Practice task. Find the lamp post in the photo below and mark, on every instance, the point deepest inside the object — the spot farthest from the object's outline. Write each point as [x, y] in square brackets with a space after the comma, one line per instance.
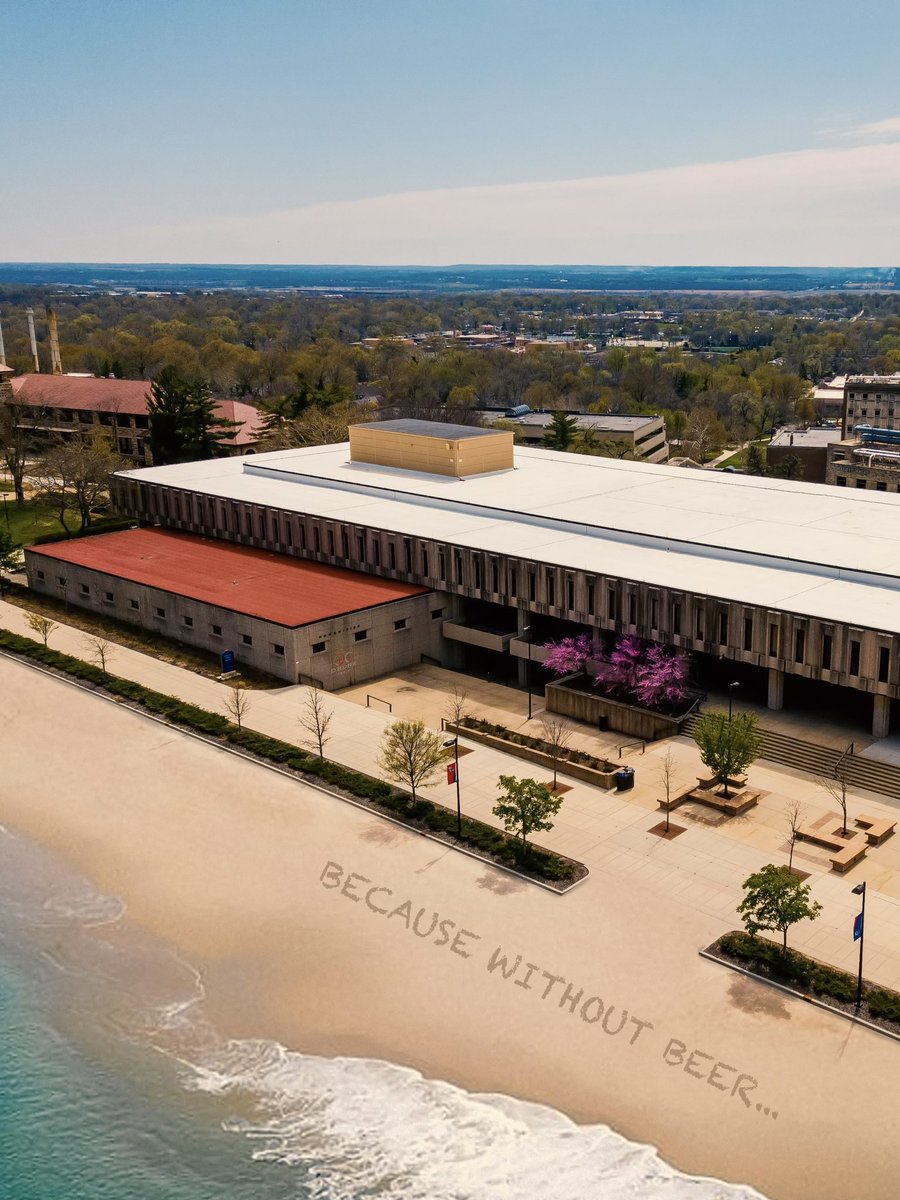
[731, 688]
[454, 742]
[527, 630]
[859, 926]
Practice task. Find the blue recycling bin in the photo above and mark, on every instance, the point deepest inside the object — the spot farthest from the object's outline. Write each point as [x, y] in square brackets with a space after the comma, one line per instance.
[624, 778]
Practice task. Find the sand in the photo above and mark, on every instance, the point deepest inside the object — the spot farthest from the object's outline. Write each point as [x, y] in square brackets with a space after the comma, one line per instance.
[267, 886]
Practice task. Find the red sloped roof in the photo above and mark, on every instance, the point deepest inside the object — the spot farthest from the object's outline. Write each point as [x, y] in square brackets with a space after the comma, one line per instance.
[259, 583]
[126, 396]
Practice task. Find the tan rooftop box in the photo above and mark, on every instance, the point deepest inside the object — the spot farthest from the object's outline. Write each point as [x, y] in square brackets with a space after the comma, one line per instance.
[432, 447]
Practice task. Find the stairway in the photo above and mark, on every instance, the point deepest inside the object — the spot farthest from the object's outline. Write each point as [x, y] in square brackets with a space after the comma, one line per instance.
[822, 761]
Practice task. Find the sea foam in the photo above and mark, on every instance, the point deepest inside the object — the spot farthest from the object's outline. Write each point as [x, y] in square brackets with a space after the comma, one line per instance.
[361, 1127]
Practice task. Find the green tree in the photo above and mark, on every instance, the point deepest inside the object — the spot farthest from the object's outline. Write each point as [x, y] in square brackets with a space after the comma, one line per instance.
[776, 899]
[9, 555]
[727, 746]
[525, 806]
[790, 467]
[74, 476]
[411, 754]
[184, 425]
[755, 460]
[561, 432]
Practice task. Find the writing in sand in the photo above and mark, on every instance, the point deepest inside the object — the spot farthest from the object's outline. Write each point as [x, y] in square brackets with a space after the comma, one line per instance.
[547, 987]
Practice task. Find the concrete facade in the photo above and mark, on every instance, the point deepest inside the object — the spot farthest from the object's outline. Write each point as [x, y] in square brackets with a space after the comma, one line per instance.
[871, 400]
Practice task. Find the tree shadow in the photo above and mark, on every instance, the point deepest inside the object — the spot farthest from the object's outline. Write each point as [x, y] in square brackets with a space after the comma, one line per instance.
[758, 1000]
[501, 885]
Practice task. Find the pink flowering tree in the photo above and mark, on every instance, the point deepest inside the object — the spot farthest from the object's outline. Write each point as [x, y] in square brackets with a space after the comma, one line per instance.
[662, 678]
[568, 655]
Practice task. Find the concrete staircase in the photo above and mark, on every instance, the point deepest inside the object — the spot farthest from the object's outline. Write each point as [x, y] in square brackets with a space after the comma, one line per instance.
[823, 761]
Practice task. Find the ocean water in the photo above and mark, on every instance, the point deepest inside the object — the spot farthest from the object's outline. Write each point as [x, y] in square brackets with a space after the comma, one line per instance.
[113, 1086]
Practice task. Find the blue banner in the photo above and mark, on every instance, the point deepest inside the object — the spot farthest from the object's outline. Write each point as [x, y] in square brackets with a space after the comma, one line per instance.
[857, 927]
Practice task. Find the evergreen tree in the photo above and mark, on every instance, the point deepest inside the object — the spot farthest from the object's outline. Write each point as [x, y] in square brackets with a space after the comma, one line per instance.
[184, 425]
[561, 432]
[755, 460]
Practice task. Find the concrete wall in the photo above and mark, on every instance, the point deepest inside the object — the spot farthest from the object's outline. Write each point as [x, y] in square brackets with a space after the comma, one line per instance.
[333, 653]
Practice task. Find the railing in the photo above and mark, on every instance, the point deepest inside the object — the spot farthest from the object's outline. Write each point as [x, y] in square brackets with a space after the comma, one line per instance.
[387, 703]
[627, 745]
[837, 765]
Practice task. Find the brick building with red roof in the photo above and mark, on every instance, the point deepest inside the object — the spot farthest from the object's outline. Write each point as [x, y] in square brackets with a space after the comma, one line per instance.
[65, 404]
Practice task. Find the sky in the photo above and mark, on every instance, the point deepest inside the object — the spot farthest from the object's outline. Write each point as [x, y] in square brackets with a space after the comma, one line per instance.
[451, 131]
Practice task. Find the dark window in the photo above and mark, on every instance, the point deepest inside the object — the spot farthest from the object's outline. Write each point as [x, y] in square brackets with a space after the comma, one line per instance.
[826, 651]
[442, 565]
[61, 580]
[246, 639]
[360, 635]
[699, 624]
[854, 658]
[40, 574]
[773, 641]
[748, 633]
[590, 599]
[392, 556]
[376, 552]
[513, 582]
[884, 663]
[860, 483]
[424, 562]
[401, 624]
[288, 531]
[276, 649]
[216, 630]
[317, 539]
[570, 594]
[458, 566]
[532, 584]
[654, 612]
[318, 647]
[108, 597]
[476, 563]
[189, 622]
[632, 609]
[676, 617]
[841, 481]
[723, 628]
[85, 590]
[161, 613]
[261, 518]
[880, 486]
[436, 614]
[551, 589]
[495, 577]
[134, 603]
[799, 645]
[345, 543]
[407, 549]
[360, 548]
[331, 543]
[611, 603]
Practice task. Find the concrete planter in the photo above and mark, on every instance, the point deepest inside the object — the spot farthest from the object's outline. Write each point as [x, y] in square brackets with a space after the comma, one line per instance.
[600, 779]
[596, 709]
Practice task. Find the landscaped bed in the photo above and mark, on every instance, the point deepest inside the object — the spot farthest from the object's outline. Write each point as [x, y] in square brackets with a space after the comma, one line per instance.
[828, 985]
[578, 764]
[484, 840]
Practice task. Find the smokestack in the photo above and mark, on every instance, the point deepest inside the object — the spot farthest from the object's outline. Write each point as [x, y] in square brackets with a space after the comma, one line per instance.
[2, 348]
[29, 313]
[53, 327]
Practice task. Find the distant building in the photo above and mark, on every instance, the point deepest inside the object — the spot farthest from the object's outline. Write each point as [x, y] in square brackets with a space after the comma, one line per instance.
[828, 398]
[62, 405]
[871, 400]
[644, 437]
[810, 446]
[868, 453]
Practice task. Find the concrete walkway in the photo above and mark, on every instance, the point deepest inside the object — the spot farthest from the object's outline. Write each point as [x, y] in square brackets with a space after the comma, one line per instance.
[701, 870]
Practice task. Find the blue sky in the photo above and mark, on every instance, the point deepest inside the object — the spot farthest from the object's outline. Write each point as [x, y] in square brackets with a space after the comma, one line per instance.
[271, 130]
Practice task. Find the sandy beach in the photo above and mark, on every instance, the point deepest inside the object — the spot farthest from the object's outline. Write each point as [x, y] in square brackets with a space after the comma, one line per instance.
[336, 932]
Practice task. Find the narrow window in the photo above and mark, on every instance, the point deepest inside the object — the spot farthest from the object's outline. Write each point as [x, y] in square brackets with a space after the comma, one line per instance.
[632, 609]
[676, 617]
[748, 633]
[699, 624]
[424, 562]
[826, 652]
[407, 549]
[392, 556]
[854, 658]
[611, 603]
[723, 628]
[442, 565]
[880, 486]
[376, 552]
[246, 639]
[532, 584]
[317, 539]
[318, 647]
[401, 624]
[360, 548]
[513, 582]
[278, 649]
[345, 544]
[799, 645]
[570, 595]
[360, 635]
[331, 542]
[654, 612]
[476, 563]
[590, 599]
[884, 663]
[773, 641]
[495, 577]
[458, 566]
[436, 614]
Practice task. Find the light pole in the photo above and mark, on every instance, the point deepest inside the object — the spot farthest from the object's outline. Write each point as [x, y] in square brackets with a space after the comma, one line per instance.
[454, 742]
[527, 630]
[859, 927]
[731, 688]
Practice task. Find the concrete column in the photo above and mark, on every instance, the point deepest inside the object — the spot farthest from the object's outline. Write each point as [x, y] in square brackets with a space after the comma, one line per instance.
[776, 688]
[524, 619]
[881, 716]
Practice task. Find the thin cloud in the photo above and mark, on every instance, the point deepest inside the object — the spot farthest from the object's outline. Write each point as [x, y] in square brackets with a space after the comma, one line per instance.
[834, 206]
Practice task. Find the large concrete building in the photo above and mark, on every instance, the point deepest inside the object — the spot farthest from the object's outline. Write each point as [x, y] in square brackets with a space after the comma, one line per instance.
[871, 400]
[641, 436]
[793, 589]
[868, 452]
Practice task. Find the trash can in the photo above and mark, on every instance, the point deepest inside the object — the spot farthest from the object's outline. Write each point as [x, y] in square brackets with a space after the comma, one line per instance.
[624, 778]
[603, 723]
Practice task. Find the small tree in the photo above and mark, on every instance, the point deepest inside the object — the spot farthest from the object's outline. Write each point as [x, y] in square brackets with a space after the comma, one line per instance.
[41, 625]
[557, 735]
[568, 655]
[727, 747]
[776, 899]
[525, 806]
[411, 754]
[837, 789]
[315, 718]
[667, 776]
[237, 703]
[561, 432]
[457, 708]
[755, 460]
[100, 651]
[793, 815]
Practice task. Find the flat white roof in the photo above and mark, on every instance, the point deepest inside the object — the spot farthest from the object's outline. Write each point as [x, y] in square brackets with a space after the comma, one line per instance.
[819, 551]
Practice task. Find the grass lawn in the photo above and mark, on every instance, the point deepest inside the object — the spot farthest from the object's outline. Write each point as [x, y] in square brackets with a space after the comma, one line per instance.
[32, 521]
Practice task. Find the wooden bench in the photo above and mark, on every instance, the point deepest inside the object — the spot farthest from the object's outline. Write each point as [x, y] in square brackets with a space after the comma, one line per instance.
[876, 828]
[732, 806]
[707, 782]
[845, 851]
